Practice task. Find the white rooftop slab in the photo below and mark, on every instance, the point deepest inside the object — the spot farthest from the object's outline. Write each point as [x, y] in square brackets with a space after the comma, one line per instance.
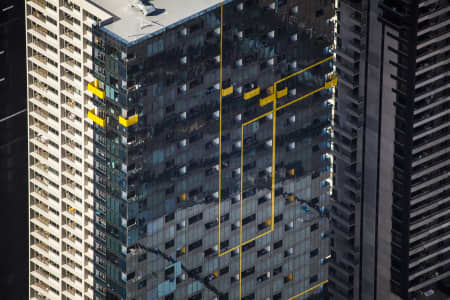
[131, 24]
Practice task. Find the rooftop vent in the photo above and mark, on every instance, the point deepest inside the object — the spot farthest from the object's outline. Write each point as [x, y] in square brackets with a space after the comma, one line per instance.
[144, 6]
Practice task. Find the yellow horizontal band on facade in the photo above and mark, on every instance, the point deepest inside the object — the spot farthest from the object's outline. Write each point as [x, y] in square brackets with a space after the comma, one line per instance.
[266, 100]
[282, 93]
[128, 122]
[227, 91]
[252, 93]
[93, 88]
[95, 118]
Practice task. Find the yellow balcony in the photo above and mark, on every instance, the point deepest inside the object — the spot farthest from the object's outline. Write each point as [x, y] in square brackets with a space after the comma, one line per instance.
[227, 91]
[282, 93]
[266, 100]
[252, 93]
[331, 83]
[128, 122]
[95, 118]
[93, 88]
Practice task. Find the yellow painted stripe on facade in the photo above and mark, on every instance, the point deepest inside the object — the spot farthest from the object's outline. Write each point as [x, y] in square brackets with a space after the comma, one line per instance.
[227, 91]
[95, 118]
[128, 122]
[252, 93]
[93, 88]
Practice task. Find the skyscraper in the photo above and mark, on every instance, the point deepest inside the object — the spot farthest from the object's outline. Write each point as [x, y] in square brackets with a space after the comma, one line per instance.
[59, 66]
[391, 205]
[13, 153]
[211, 149]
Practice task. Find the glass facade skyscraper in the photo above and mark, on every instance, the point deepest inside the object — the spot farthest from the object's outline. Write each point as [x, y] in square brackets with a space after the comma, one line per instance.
[212, 172]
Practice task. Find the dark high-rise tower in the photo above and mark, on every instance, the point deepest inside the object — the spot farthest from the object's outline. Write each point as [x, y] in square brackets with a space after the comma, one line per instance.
[391, 203]
[13, 151]
[211, 149]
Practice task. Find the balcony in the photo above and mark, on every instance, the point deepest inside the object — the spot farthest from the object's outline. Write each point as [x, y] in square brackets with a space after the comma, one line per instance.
[95, 118]
[128, 122]
[227, 91]
[252, 93]
[94, 89]
[266, 100]
[282, 93]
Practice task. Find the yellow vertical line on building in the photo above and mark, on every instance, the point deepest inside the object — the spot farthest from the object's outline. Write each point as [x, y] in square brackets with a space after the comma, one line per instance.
[220, 120]
[240, 273]
[274, 138]
[241, 200]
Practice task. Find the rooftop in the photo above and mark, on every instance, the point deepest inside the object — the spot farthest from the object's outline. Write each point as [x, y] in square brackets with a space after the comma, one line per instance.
[131, 25]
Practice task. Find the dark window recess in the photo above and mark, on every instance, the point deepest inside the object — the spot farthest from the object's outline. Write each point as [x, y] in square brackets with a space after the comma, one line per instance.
[249, 193]
[279, 191]
[249, 297]
[262, 252]
[262, 200]
[277, 270]
[314, 252]
[170, 244]
[169, 273]
[211, 224]
[278, 244]
[224, 270]
[195, 245]
[248, 219]
[169, 217]
[170, 108]
[225, 218]
[142, 284]
[277, 296]
[250, 166]
[278, 218]
[196, 297]
[195, 218]
[170, 297]
[209, 251]
[131, 275]
[170, 190]
[248, 246]
[197, 270]
[142, 257]
[248, 272]
[234, 252]
[313, 279]
[314, 226]
[224, 244]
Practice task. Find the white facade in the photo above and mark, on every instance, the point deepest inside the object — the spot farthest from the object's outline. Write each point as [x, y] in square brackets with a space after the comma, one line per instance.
[59, 67]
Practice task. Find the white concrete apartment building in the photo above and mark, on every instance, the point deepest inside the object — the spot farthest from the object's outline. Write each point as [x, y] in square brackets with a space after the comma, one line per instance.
[59, 64]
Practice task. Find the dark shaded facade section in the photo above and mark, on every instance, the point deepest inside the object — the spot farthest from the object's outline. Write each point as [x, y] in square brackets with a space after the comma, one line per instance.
[13, 152]
[391, 203]
[178, 112]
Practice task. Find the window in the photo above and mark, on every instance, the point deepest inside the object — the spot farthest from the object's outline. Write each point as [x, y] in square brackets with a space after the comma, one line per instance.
[155, 47]
[314, 226]
[142, 284]
[195, 245]
[249, 219]
[314, 252]
[313, 279]
[142, 257]
[195, 218]
[170, 244]
[278, 244]
[169, 217]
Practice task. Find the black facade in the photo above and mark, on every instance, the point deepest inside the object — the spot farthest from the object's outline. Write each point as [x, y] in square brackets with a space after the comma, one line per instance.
[13, 151]
[190, 124]
[390, 208]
